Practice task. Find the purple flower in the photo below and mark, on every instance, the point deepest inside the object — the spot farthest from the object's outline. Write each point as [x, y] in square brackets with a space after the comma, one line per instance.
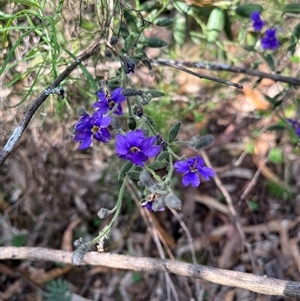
[269, 40]
[295, 125]
[128, 63]
[135, 147]
[149, 206]
[108, 100]
[191, 169]
[258, 23]
[92, 126]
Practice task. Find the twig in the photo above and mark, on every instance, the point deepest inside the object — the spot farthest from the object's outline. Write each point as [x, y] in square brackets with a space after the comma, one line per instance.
[234, 69]
[28, 114]
[199, 291]
[231, 209]
[258, 284]
[179, 66]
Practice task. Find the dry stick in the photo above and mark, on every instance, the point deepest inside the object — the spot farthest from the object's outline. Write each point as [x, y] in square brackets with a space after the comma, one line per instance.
[258, 284]
[199, 292]
[231, 208]
[155, 234]
[28, 114]
[234, 69]
[173, 64]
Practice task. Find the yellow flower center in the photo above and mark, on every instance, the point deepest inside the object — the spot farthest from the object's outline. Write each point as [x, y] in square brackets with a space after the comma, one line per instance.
[111, 104]
[134, 149]
[95, 129]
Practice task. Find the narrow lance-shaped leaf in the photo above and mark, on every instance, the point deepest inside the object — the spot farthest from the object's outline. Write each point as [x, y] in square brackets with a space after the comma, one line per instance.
[174, 131]
[155, 43]
[124, 169]
[246, 10]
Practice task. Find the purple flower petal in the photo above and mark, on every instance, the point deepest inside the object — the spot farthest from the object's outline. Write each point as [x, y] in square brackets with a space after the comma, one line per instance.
[269, 40]
[191, 178]
[258, 23]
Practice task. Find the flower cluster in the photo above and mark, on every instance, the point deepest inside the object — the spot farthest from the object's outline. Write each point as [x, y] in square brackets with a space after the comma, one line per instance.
[95, 126]
[269, 39]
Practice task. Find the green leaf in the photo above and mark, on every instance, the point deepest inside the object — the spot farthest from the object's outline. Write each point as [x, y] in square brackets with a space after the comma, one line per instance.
[174, 131]
[130, 20]
[124, 30]
[154, 93]
[215, 24]
[155, 43]
[27, 3]
[253, 205]
[276, 127]
[227, 26]
[124, 169]
[294, 39]
[158, 165]
[246, 10]
[129, 42]
[293, 8]
[179, 31]
[150, 120]
[131, 123]
[270, 61]
[216, 20]
[182, 7]
[164, 22]
[58, 290]
[275, 156]
[251, 39]
[134, 175]
[19, 240]
[163, 155]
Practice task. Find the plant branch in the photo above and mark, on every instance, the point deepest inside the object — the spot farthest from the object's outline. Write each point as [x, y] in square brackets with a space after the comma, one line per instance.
[258, 284]
[28, 114]
[179, 66]
[234, 69]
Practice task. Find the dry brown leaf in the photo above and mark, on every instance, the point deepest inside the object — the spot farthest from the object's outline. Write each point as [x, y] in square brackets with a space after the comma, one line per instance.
[41, 278]
[256, 98]
[14, 289]
[166, 236]
[67, 239]
[211, 203]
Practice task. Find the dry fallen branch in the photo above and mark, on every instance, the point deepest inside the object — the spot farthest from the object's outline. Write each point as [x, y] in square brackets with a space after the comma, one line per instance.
[228, 68]
[258, 284]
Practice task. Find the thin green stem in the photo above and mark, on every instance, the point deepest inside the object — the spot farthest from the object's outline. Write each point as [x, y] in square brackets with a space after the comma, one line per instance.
[117, 210]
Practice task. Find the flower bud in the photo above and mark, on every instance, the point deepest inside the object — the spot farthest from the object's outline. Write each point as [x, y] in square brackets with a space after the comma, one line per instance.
[200, 142]
[172, 201]
[102, 213]
[146, 179]
[114, 40]
[108, 53]
[81, 112]
[128, 64]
